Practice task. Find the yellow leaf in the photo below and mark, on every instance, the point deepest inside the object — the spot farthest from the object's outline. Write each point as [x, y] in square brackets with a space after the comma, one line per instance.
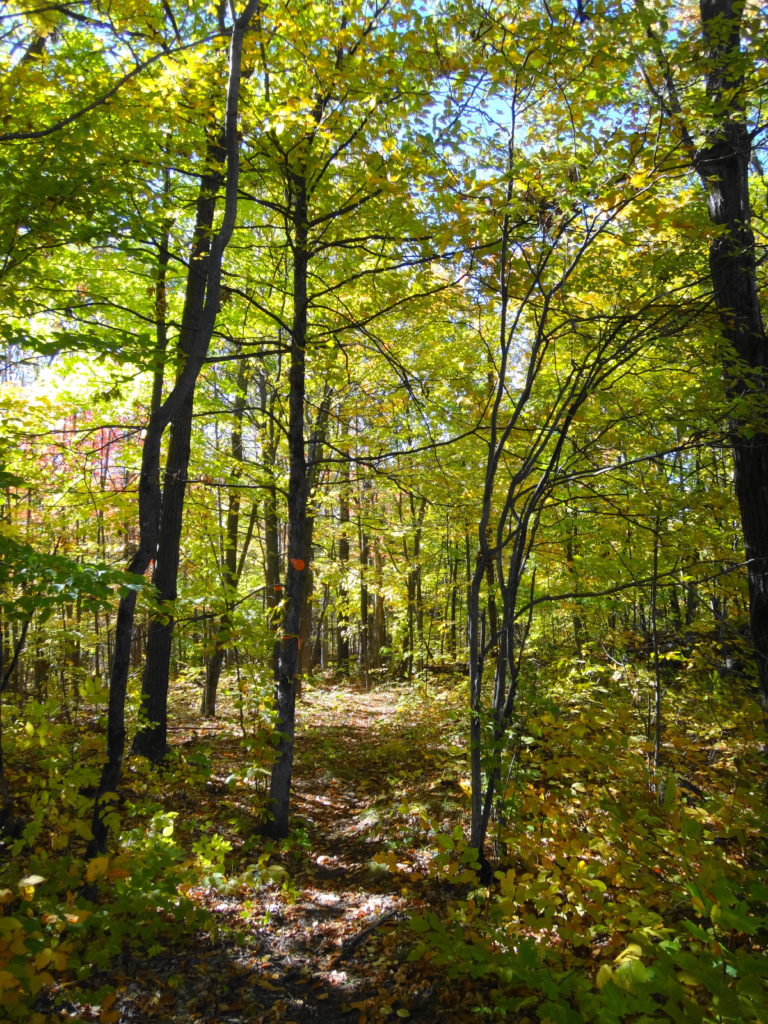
[43, 958]
[630, 973]
[632, 952]
[603, 976]
[37, 982]
[686, 979]
[97, 868]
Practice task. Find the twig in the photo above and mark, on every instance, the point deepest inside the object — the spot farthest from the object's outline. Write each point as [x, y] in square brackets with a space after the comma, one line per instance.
[350, 945]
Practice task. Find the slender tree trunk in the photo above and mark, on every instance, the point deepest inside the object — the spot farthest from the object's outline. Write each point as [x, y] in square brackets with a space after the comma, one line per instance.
[658, 689]
[274, 588]
[570, 564]
[5, 677]
[315, 453]
[342, 659]
[276, 826]
[5, 797]
[476, 624]
[364, 552]
[319, 649]
[413, 588]
[379, 632]
[230, 574]
[454, 594]
[161, 305]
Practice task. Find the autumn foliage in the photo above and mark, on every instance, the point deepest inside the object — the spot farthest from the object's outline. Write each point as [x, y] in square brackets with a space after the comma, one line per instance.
[384, 529]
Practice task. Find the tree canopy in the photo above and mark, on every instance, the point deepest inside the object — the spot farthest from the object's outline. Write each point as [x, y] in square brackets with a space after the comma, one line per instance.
[384, 409]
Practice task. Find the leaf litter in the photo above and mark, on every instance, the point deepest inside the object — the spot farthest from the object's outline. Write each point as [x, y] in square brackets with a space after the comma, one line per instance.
[322, 936]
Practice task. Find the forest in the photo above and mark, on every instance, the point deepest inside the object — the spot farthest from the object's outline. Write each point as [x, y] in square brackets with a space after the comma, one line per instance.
[384, 523]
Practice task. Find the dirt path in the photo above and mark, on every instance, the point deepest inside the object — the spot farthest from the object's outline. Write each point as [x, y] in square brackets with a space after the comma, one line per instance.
[325, 941]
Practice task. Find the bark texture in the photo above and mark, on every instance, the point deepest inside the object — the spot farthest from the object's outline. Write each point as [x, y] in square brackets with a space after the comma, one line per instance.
[277, 821]
[723, 163]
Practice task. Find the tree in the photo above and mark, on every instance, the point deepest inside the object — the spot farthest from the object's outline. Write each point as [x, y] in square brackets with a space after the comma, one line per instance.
[234, 555]
[548, 222]
[723, 164]
[320, 130]
[160, 513]
[715, 133]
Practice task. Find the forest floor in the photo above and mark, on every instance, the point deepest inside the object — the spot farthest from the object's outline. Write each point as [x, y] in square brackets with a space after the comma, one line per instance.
[326, 937]
[621, 893]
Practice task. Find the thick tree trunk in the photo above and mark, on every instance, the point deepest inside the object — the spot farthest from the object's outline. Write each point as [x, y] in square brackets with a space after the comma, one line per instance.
[723, 165]
[149, 483]
[151, 741]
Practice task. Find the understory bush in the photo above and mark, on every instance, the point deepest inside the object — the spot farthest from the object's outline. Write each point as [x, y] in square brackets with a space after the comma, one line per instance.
[625, 892]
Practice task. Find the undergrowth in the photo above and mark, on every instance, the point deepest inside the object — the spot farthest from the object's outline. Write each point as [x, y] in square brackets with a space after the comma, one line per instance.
[63, 917]
[625, 892]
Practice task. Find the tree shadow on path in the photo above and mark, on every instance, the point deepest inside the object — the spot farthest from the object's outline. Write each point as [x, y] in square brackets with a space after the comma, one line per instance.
[326, 940]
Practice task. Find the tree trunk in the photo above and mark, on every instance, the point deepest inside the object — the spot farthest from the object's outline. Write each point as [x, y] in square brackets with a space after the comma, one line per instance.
[319, 650]
[379, 623]
[415, 617]
[276, 825]
[232, 563]
[149, 484]
[273, 593]
[342, 658]
[161, 305]
[151, 739]
[364, 631]
[454, 594]
[315, 453]
[5, 677]
[723, 165]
